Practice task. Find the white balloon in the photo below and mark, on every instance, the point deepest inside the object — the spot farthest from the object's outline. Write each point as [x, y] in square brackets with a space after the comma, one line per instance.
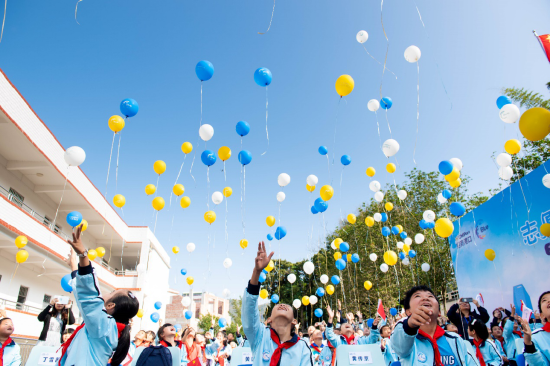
[296, 303]
[312, 180]
[374, 186]
[281, 196]
[324, 279]
[217, 197]
[74, 156]
[412, 54]
[206, 132]
[425, 267]
[377, 217]
[227, 262]
[190, 247]
[186, 301]
[283, 179]
[333, 246]
[313, 299]
[509, 113]
[141, 268]
[291, 278]
[406, 261]
[309, 267]
[546, 180]
[402, 194]
[226, 293]
[390, 147]
[504, 159]
[362, 36]
[384, 267]
[408, 241]
[505, 172]
[379, 196]
[441, 199]
[373, 257]
[373, 105]
[457, 163]
[428, 215]
[400, 245]
[419, 238]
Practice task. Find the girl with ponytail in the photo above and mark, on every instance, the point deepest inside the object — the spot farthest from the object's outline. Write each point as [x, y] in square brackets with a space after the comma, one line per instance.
[106, 317]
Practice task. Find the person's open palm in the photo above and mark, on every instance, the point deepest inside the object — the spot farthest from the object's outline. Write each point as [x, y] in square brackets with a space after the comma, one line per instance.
[262, 259]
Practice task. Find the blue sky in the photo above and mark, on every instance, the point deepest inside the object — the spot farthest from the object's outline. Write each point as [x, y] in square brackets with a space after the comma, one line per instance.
[75, 76]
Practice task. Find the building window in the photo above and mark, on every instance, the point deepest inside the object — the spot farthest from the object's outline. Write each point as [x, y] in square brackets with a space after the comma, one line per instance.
[46, 300]
[220, 307]
[197, 310]
[210, 308]
[22, 297]
[16, 197]
[48, 223]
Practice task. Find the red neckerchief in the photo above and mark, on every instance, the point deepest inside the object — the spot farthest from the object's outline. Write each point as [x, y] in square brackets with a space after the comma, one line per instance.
[221, 361]
[479, 355]
[315, 347]
[501, 340]
[65, 346]
[518, 333]
[192, 352]
[276, 357]
[7, 342]
[165, 344]
[349, 340]
[439, 332]
[546, 327]
[331, 347]
[120, 327]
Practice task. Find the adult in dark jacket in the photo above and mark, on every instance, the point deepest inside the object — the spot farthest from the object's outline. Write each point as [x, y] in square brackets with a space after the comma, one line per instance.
[55, 317]
[460, 315]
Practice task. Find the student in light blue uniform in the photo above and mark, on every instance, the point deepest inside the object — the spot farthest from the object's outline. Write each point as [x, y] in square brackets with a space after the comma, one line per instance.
[486, 351]
[385, 345]
[537, 343]
[419, 341]
[347, 332]
[106, 318]
[510, 333]
[500, 342]
[278, 345]
[11, 353]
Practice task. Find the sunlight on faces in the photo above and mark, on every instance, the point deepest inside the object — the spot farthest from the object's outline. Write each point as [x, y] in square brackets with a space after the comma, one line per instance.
[317, 337]
[285, 311]
[346, 329]
[385, 332]
[219, 337]
[425, 299]
[6, 328]
[545, 307]
[169, 331]
[200, 340]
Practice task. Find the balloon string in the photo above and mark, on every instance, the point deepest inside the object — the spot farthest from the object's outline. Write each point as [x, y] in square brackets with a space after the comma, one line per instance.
[328, 164]
[122, 211]
[417, 108]
[198, 140]
[272, 12]
[75, 11]
[117, 156]
[4, 20]
[242, 213]
[378, 126]
[335, 125]
[244, 196]
[266, 131]
[107, 182]
[177, 178]
[156, 217]
[171, 227]
[44, 262]
[388, 45]
[523, 193]
[60, 200]
[122, 255]
[14, 272]
[379, 63]
[389, 128]
[224, 175]
[157, 190]
[226, 234]
[341, 177]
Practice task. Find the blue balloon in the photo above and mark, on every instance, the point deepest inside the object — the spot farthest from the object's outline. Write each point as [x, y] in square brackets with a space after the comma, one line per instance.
[178, 327]
[446, 194]
[183, 271]
[155, 317]
[158, 305]
[280, 232]
[402, 255]
[355, 258]
[386, 231]
[395, 363]
[320, 292]
[423, 224]
[369, 322]
[243, 128]
[320, 205]
[245, 157]
[318, 312]
[262, 76]
[314, 210]
[222, 322]
[345, 258]
[335, 280]
[446, 167]
[503, 100]
[520, 359]
[341, 264]
[65, 283]
[344, 247]
[188, 314]
[208, 157]
[269, 237]
[323, 150]
[457, 208]
[431, 225]
[264, 271]
[129, 107]
[384, 217]
[403, 235]
[393, 311]
[204, 70]
[395, 230]
[74, 218]
[262, 277]
[386, 103]
[274, 298]
[345, 160]
[412, 253]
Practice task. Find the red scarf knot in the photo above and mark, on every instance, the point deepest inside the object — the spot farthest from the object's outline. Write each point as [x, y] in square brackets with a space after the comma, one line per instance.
[546, 327]
[276, 357]
[439, 332]
[518, 333]
[316, 347]
[350, 339]
[479, 355]
[120, 327]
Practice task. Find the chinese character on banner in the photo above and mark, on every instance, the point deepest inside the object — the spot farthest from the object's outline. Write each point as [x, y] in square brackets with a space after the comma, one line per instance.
[530, 233]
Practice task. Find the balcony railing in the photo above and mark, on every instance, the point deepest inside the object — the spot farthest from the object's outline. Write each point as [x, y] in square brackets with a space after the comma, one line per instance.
[20, 306]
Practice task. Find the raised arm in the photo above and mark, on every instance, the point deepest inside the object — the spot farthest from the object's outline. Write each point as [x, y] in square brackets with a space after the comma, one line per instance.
[329, 331]
[405, 332]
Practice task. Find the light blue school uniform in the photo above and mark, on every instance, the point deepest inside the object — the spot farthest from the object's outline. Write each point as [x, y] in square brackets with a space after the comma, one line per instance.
[326, 356]
[490, 353]
[259, 336]
[95, 343]
[389, 355]
[501, 350]
[538, 354]
[338, 340]
[12, 354]
[510, 340]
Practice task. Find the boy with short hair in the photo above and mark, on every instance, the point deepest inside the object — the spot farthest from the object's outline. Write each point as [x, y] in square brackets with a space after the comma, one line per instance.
[537, 343]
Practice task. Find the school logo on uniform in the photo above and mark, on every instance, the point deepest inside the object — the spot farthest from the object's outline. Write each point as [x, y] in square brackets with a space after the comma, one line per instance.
[328, 357]
[421, 357]
[266, 356]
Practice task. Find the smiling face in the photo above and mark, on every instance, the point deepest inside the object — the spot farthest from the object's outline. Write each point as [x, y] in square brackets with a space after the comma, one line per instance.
[346, 329]
[425, 299]
[545, 307]
[282, 311]
[219, 337]
[6, 327]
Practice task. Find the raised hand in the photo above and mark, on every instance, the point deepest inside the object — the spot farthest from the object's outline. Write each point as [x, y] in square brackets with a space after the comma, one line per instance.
[330, 313]
[513, 311]
[262, 259]
[420, 316]
[79, 248]
[339, 305]
[526, 331]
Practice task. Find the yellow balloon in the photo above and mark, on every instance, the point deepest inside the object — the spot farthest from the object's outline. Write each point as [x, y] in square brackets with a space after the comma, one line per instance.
[337, 242]
[243, 243]
[119, 200]
[224, 153]
[368, 285]
[116, 123]
[351, 218]
[512, 146]
[140, 313]
[390, 258]
[270, 221]
[454, 175]
[100, 251]
[400, 228]
[190, 280]
[158, 203]
[545, 229]
[388, 206]
[150, 189]
[178, 189]
[337, 255]
[444, 227]
[344, 85]
[175, 249]
[159, 167]
[326, 192]
[21, 256]
[369, 221]
[534, 123]
[406, 248]
[330, 289]
[227, 192]
[264, 294]
[270, 266]
[310, 188]
[84, 225]
[371, 171]
[390, 168]
[186, 147]
[348, 256]
[210, 217]
[21, 241]
[305, 300]
[490, 254]
[185, 202]
[92, 254]
[455, 183]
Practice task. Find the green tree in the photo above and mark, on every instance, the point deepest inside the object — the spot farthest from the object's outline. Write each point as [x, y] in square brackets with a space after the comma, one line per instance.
[205, 323]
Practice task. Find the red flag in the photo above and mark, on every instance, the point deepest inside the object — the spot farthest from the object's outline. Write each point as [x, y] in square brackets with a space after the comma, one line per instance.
[380, 310]
[545, 43]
